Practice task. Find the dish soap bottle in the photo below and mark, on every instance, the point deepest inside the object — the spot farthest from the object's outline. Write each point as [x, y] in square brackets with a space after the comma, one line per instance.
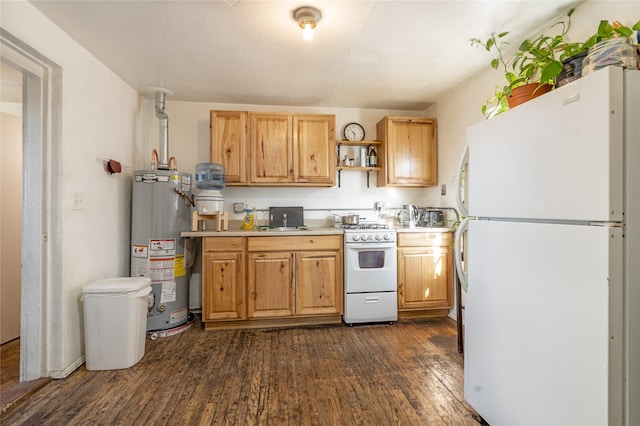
[248, 221]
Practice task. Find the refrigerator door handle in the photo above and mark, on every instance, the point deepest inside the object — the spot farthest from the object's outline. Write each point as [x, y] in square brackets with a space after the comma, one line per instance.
[457, 249]
[462, 182]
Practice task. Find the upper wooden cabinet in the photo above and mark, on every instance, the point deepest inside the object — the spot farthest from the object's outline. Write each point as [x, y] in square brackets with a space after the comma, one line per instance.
[409, 152]
[271, 152]
[314, 149]
[229, 144]
[272, 149]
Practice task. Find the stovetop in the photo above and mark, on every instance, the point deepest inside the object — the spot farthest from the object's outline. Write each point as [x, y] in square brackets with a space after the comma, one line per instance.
[361, 226]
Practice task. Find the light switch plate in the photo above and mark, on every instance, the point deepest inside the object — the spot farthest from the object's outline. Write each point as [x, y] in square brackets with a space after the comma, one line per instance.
[78, 201]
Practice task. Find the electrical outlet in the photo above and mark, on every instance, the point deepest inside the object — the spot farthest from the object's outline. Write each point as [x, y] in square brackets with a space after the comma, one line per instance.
[238, 207]
[443, 189]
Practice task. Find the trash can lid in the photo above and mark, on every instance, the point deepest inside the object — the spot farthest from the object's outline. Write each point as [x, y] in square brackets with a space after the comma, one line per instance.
[117, 285]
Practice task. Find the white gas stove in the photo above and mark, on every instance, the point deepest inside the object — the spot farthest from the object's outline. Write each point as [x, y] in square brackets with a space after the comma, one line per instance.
[370, 273]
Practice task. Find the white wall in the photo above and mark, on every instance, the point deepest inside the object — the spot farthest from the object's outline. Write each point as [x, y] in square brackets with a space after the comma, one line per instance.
[104, 118]
[99, 120]
[189, 143]
[462, 108]
[10, 225]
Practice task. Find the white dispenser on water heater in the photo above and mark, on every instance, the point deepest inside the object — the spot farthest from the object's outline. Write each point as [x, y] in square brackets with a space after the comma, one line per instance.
[209, 180]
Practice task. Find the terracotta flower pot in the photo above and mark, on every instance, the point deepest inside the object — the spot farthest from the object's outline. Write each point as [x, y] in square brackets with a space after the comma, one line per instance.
[525, 93]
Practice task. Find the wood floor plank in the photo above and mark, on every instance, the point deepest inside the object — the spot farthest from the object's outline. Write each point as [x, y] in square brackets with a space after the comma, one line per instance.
[197, 408]
[407, 373]
[308, 377]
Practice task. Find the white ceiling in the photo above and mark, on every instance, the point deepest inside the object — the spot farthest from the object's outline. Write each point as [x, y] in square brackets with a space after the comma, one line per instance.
[365, 54]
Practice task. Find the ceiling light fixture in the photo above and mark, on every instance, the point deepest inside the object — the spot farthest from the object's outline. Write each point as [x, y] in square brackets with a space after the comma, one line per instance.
[307, 18]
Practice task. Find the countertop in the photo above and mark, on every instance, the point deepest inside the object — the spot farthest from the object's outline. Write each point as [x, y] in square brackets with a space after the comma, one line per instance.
[401, 229]
[267, 233]
[296, 232]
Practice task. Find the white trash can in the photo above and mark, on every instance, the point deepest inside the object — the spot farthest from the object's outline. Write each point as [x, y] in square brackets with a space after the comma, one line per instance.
[115, 321]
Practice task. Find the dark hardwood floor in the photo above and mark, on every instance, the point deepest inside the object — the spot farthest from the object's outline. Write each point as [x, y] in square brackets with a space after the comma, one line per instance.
[12, 392]
[408, 373]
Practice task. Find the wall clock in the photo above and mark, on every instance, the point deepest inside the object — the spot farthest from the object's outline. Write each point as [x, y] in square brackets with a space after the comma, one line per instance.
[353, 132]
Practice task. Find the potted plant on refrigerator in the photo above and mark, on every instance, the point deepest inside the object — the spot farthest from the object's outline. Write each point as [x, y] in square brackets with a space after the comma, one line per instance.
[530, 71]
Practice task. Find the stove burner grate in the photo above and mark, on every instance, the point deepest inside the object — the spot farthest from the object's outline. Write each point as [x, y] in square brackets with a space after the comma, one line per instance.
[365, 226]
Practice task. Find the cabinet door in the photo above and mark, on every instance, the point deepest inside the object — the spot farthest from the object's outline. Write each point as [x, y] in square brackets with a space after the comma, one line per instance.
[425, 278]
[229, 144]
[271, 148]
[223, 286]
[318, 283]
[314, 149]
[270, 285]
[409, 155]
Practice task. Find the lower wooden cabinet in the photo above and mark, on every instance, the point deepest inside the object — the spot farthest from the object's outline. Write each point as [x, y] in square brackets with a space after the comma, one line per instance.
[294, 283]
[250, 280]
[318, 283]
[271, 286]
[223, 295]
[425, 271]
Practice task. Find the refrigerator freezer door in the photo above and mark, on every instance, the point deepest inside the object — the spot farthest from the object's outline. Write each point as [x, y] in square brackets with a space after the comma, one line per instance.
[543, 323]
[557, 157]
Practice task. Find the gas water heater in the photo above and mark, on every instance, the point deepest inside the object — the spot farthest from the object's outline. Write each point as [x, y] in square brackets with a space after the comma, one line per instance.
[161, 209]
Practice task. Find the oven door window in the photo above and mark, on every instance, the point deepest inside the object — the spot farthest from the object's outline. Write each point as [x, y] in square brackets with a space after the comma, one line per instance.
[371, 259]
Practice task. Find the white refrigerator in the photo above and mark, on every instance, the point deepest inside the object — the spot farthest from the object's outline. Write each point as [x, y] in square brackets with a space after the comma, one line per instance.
[552, 257]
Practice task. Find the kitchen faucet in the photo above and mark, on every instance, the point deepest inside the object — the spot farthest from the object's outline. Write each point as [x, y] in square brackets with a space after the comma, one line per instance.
[284, 220]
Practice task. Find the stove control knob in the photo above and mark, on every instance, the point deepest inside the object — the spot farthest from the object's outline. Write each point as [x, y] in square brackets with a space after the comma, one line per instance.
[378, 237]
[365, 237]
[386, 236]
[355, 237]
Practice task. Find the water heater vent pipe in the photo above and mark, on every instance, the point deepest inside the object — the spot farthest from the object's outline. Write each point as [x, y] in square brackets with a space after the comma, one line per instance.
[160, 94]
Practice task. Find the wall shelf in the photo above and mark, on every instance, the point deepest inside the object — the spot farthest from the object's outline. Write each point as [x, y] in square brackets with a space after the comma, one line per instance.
[369, 145]
[358, 169]
[358, 143]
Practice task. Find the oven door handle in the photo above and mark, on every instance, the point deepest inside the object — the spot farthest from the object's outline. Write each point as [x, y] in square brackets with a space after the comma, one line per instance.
[358, 246]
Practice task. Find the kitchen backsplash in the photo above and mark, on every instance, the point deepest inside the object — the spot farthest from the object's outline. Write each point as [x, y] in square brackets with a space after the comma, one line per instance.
[329, 217]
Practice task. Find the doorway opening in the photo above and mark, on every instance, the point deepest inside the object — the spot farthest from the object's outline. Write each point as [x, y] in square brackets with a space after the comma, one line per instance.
[40, 255]
[11, 201]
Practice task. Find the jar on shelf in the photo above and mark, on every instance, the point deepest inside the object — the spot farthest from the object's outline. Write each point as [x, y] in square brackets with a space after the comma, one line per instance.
[616, 51]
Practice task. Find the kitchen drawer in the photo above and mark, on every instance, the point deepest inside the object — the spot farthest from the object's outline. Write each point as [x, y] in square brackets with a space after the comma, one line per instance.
[222, 244]
[312, 242]
[424, 239]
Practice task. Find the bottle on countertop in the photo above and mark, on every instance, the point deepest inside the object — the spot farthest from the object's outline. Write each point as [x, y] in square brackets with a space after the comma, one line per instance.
[248, 222]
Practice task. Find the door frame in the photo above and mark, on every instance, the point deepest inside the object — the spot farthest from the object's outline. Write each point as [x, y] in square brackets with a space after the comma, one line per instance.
[41, 274]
